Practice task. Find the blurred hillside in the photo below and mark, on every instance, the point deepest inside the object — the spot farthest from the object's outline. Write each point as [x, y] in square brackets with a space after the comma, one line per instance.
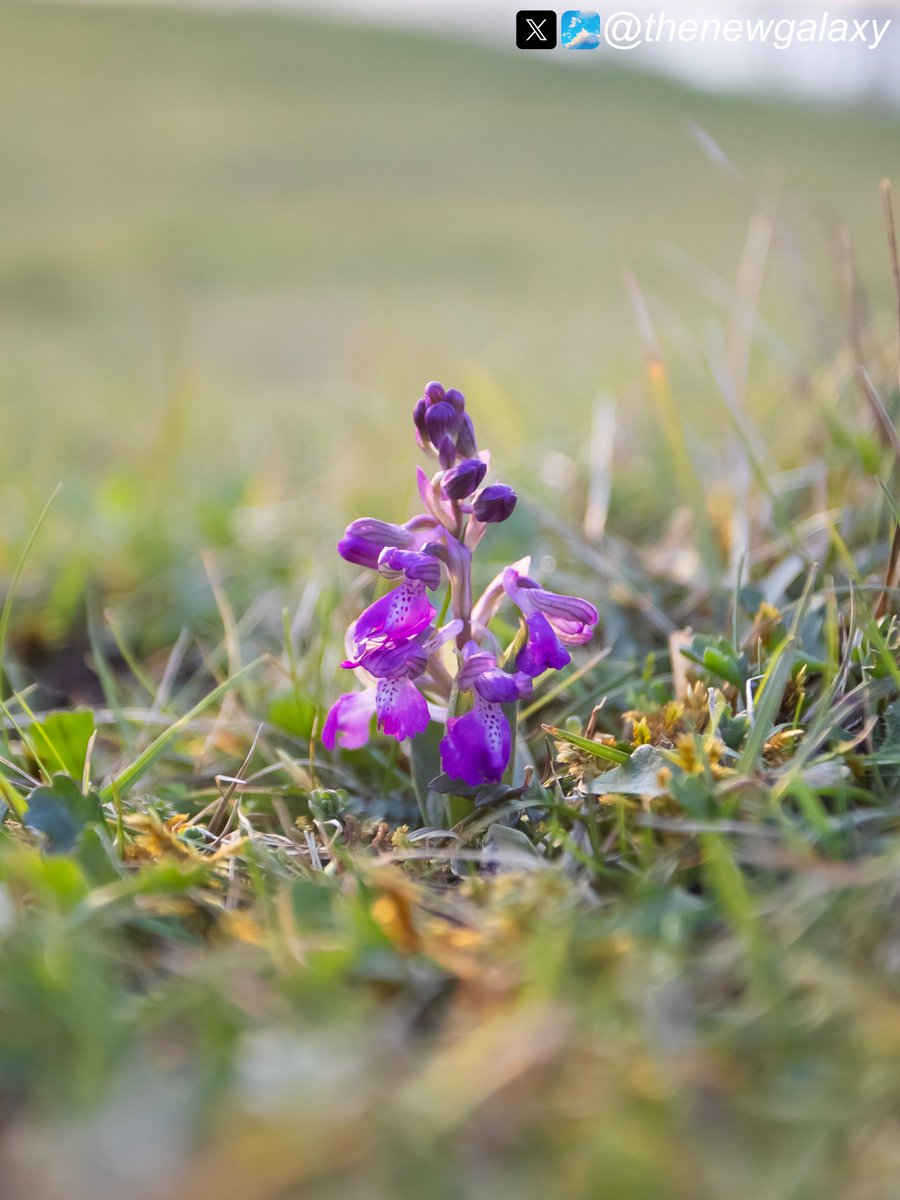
[234, 246]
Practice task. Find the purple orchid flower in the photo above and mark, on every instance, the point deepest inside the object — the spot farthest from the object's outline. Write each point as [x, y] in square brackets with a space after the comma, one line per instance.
[399, 704]
[477, 745]
[401, 709]
[552, 622]
[406, 611]
[542, 651]
[405, 663]
[364, 540]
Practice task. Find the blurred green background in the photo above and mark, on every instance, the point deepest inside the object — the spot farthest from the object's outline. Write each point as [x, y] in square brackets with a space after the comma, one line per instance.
[233, 247]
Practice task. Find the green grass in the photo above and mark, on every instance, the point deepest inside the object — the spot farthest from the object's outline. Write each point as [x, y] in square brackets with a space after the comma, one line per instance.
[233, 965]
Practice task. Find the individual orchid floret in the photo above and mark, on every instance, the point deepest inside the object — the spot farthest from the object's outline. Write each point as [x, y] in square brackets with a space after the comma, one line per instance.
[573, 620]
[413, 565]
[365, 539]
[406, 611]
[401, 707]
[462, 480]
[477, 745]
[552, 622]
[494, 504]
[479, 672]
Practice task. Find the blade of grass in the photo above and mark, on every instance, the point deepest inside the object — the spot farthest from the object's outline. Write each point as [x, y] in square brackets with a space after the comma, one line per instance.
[105, 675]
[768, 701]
[685, 470]
[6, 612]
[598, 749]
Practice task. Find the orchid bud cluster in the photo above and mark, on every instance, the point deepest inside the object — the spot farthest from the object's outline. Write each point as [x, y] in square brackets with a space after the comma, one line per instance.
[414, 670]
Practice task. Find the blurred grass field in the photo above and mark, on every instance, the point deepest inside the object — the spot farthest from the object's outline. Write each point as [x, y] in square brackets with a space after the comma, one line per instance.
[232, 250]
[232, 247]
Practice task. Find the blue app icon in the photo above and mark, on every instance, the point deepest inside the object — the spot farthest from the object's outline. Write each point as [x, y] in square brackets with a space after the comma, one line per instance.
[579, 30]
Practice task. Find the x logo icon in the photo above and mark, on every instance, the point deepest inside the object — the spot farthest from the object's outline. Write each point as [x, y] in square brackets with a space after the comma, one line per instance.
[536, 30]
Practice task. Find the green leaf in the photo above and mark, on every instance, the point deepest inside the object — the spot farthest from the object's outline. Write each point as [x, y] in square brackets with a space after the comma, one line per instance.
[723, 665]
[426, 765]
[293, 711]
[60, 810]
[637, 776]
[97, 856]
[57, 882]
[313, 903]
[62, 739]
[504, 840]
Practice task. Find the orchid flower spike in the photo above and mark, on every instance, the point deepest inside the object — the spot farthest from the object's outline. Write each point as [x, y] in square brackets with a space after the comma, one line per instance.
[410, 673]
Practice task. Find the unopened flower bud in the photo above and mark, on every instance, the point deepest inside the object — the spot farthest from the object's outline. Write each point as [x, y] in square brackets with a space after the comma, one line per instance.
[463, 479]
[495, 504]
[434, 392]
[440, 422]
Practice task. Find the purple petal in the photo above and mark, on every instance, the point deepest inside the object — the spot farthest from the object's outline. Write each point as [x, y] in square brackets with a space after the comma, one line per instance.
[434, 392]
[477, 745]
[423, 568]
[348, 721]
[364, 540]
[475, 663]
[455, 397]
[465, 439]
[404, 661]
[542, 650]
[572, 619]
[396, 617]
[401, 707]
[498, 687]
